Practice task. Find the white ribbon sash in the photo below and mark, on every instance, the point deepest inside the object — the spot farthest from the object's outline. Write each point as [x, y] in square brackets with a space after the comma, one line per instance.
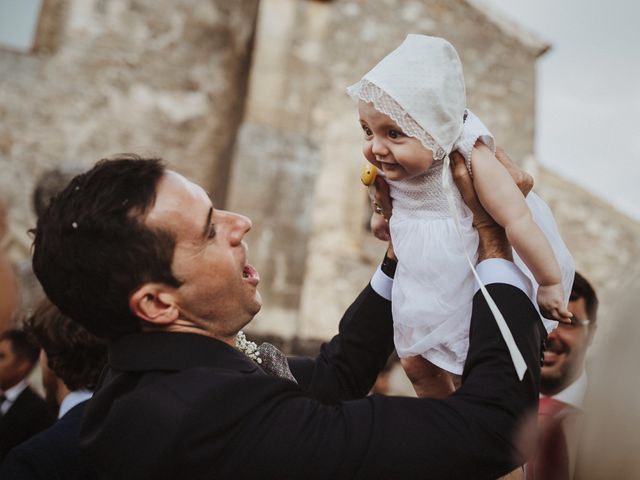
[516, 356]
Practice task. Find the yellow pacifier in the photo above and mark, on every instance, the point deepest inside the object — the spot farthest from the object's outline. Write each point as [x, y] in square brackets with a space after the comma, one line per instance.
[369, 173]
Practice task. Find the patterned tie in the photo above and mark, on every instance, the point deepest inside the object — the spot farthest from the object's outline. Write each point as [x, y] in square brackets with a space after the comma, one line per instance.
[552, 458]
[274, 362]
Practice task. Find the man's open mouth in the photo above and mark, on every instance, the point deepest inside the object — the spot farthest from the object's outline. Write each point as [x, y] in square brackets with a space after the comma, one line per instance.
[250, 273]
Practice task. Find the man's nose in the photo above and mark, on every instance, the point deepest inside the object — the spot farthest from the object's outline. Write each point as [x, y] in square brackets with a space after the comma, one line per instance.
[239, 226]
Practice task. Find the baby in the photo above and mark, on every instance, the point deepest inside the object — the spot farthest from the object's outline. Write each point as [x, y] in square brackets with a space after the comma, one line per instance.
[413, 115]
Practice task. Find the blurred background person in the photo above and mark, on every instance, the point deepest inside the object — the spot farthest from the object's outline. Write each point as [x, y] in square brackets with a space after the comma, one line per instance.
[563, 385]
[23, 413]
[71, 361]
[47, 186]
[611, 435]
[8, 284]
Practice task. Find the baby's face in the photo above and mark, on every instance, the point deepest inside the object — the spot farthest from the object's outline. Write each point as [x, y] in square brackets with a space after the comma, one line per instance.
[396, 154]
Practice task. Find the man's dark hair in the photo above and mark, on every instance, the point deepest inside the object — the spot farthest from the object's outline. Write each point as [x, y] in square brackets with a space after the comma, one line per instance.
[22, 345]
[76, 356]
[91, 250]
[583, 289]
[48, 186]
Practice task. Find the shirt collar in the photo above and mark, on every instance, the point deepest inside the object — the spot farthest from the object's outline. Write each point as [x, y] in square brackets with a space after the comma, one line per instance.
[139, 352]
[14, 392]
[574, 394]
[73, 399]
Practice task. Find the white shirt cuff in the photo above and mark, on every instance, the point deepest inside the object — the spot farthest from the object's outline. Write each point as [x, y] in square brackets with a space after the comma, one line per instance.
[499, 270]
[382, 284]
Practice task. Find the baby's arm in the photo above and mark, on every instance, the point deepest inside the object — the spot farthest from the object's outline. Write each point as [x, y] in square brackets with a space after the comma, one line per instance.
[505, 203]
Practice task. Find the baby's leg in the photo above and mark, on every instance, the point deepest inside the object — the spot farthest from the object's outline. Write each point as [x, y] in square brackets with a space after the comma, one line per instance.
[429, 381]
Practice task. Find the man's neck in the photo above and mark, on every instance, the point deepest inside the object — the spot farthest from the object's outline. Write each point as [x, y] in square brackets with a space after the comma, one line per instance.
[572, 393]
[556, 388]
[195, 329]
[189, 323]
[61, 392]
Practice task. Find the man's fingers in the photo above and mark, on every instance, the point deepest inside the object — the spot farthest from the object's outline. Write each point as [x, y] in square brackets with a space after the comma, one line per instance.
[461, 177]
[458, 167]
[559, 314]
[382, 197]
[380, 227]
[561, 317]
[565, 314]
[503, 156]
[523, 180]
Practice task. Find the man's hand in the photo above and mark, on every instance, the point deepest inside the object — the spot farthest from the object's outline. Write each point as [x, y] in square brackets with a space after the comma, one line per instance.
[463, 181]
[493, 241]
[382, 210]
[523, 180]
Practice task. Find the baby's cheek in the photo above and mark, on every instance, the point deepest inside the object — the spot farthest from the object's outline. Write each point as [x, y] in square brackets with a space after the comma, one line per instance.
[368, 154]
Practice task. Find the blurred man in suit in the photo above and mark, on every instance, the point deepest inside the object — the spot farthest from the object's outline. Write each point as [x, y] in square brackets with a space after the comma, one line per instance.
[71, 360]
[563, 383]
[23, 413]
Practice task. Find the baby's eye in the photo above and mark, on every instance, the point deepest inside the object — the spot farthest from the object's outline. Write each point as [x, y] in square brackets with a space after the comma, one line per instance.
[212, 231]
[395, 134]
[367, 131]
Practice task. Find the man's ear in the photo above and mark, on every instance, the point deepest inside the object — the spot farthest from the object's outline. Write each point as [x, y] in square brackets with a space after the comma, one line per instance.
[154, 303]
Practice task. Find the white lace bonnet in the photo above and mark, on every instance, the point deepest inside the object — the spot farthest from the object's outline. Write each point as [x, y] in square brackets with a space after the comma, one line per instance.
[420, 86]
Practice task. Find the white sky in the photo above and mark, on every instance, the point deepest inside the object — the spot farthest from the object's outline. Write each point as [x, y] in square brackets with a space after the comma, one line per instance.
[588, 102]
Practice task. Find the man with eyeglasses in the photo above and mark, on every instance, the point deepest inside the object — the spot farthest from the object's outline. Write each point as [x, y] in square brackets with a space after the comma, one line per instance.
[563, 383]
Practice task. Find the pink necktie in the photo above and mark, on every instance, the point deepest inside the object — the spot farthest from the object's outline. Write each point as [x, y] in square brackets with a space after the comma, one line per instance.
[551, 461]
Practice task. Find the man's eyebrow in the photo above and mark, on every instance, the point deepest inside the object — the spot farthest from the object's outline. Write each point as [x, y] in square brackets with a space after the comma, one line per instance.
[207, 225]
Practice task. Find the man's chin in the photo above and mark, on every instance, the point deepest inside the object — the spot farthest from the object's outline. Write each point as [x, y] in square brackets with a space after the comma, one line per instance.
[258, 302]
[552, 379]
[256, 305]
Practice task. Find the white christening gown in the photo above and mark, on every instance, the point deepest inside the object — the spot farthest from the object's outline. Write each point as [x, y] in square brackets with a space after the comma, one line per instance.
[434, 285]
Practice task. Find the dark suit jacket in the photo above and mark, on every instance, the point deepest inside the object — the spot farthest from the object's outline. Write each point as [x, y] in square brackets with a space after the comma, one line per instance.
[28, 415]
[187, 406]
[51, 454]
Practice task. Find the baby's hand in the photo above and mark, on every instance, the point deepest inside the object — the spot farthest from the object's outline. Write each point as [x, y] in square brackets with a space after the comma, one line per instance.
[551, 302]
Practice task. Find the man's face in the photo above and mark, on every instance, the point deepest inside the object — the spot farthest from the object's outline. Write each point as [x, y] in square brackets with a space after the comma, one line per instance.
[12, 368]
[210, 258]
[565, 352]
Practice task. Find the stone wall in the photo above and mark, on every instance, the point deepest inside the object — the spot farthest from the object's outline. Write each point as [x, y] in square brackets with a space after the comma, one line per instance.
[158, 77]
[500, 78]
[171, 78]
[277, 158]
[605, 243]
[302, 128]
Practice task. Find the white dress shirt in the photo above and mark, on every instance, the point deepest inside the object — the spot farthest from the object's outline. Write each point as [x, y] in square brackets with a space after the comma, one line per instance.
[73, 399]
[493, 270]
[11, 395]
[574, 394]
